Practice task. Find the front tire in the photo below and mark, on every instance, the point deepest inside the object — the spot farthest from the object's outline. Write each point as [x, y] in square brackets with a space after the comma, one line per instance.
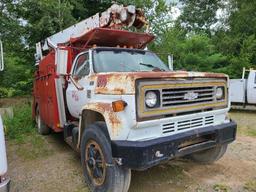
[101, 172]
[42, 128]
[210, 155]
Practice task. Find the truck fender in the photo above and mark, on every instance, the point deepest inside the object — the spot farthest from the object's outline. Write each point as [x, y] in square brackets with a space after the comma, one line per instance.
[93, 112]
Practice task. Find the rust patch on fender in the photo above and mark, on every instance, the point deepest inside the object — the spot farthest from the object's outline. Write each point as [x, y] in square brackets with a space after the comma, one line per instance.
[110, 116]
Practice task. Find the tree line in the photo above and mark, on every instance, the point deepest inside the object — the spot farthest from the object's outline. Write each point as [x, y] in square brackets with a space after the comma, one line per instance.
[205, 35]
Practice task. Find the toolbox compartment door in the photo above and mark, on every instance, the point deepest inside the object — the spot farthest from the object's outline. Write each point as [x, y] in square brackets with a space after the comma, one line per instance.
[237, 90]
[251, 88]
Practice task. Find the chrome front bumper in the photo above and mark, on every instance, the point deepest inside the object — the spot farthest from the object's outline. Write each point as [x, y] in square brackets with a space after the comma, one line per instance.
[5, 186]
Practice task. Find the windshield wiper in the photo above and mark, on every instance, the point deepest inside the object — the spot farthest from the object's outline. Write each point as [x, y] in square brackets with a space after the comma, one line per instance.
[151, 66]
[128, 67]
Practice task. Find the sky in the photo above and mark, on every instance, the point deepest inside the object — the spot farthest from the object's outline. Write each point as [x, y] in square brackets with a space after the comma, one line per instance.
[220, 14]
[176, 10]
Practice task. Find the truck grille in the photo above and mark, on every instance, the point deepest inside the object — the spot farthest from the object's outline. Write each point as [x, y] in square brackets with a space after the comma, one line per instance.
[182, 97]
[194, 123]
[177, 96]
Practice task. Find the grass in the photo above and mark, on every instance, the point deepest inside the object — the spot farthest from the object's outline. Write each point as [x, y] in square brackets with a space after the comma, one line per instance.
[219, 187]
[200, 189]
[34, 147]
[81, 189]
[251, 133]
[246, 122]
[21, 125]
[21, 132]
[250, 186]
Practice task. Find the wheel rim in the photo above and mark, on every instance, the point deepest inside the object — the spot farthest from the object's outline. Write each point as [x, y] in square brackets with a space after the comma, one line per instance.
[95, 162]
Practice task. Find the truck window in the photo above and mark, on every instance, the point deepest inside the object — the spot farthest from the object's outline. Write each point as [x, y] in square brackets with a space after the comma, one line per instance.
[126, 60]
[82, 67]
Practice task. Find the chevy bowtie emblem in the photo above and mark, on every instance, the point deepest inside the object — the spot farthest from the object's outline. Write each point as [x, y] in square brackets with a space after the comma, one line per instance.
[191, 95]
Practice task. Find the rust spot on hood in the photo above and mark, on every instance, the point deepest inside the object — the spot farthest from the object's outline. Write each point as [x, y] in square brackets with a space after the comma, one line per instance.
[102, 81]
[116, 84]
[124, 82]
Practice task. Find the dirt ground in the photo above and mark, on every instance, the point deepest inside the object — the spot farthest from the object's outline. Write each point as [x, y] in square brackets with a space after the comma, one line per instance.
[47, 164]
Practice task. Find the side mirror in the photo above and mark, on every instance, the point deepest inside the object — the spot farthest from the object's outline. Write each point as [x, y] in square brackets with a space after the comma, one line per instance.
[61, 61]
[1, 56]
[39, 55]
[170, 62]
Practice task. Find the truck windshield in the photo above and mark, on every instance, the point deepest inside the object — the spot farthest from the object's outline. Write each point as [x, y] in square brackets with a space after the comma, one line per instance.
[126, 60]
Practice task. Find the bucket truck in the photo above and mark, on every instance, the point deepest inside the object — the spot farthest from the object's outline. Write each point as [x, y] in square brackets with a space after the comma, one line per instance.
[120, 106]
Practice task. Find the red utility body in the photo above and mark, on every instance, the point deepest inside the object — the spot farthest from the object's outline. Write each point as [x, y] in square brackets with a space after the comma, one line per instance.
[44, 90]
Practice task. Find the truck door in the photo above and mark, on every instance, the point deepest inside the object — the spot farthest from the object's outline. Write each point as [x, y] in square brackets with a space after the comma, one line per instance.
[251, 87]
[76, 97]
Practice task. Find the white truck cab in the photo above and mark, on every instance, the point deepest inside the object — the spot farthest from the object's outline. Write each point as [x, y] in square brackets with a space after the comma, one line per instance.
[4, 180]
[243, 91]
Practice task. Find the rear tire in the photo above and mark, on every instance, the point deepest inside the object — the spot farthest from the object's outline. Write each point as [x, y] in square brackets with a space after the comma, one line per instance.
[42, 128]
[210, 155]
[101, 172]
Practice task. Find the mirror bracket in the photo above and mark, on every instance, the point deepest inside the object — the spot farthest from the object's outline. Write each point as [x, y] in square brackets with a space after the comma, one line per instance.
[170, 62]
[77, 85]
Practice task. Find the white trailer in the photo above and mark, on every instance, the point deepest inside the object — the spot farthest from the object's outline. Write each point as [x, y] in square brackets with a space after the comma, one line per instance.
[4, 179]
[243, 91]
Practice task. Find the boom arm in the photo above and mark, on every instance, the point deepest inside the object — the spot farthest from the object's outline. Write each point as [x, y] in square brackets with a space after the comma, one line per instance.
[117, 16]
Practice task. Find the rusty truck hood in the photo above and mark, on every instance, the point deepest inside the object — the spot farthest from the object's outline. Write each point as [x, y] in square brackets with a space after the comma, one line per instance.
[124, 83]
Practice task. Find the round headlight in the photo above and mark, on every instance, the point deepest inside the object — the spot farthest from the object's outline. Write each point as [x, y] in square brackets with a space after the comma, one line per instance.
[151, 99]
[219, 92]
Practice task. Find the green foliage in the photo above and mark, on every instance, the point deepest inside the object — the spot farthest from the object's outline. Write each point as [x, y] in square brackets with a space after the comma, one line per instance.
[44, 18]
[22, 24]
[192, 39]
[16, 79]
[242, 19]
[21, 124]
[5, 92]
[227, 49]
[250, 186]
[83, 9]
[238, 40]
[199, 15]
[221, 188]
[194, 52]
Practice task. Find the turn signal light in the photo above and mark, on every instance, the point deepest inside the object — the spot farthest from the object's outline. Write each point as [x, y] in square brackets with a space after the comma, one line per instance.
[118, 105]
